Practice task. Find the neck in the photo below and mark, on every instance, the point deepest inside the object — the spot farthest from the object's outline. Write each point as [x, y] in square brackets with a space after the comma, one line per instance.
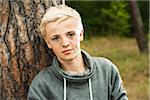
[74, 66]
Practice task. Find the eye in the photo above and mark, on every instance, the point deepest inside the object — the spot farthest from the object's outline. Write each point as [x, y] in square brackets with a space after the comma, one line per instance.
[71, 33]
[55, 38]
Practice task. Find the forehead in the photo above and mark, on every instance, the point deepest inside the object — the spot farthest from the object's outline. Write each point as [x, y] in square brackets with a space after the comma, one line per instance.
[61, 26]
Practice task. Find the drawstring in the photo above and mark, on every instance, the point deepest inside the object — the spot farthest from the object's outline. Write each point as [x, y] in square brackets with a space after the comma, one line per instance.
[64, 88]
[90, 89]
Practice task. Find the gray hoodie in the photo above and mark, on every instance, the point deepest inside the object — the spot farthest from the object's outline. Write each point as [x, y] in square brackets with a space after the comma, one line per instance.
[101, 81]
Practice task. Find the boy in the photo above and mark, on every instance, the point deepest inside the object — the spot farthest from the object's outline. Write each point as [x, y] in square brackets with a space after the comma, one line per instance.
[74, 74]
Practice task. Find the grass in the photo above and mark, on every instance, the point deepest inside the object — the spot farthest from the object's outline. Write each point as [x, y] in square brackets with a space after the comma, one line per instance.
[133, 66]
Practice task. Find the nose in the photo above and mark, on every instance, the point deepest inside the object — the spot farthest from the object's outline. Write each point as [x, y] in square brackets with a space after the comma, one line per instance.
[65, 42]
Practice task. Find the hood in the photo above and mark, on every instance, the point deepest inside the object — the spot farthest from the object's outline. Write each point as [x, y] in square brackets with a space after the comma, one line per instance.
[59, 73]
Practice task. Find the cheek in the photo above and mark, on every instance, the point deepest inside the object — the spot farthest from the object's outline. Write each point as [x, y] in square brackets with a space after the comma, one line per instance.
[55, 47]
[77, 42]
[56, 50]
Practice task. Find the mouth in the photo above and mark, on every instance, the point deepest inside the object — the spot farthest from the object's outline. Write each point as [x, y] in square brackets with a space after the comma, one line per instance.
[68, 51]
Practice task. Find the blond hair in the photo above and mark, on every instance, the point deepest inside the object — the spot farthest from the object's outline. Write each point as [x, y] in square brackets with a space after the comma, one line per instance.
[59, 12]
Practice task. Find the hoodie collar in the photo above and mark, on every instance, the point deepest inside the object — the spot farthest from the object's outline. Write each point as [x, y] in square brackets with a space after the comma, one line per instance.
[59, 73]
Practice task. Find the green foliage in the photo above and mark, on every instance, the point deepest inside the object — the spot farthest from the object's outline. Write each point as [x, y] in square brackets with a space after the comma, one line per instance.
[117, 18]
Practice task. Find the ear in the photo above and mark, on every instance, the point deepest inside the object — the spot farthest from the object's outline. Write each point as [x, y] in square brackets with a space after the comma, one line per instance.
[81, 35]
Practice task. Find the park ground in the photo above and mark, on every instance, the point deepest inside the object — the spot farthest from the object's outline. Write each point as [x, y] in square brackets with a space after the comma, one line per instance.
[133, 66]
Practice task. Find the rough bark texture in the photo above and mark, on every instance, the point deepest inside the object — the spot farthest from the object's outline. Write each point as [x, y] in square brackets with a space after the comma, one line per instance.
[23, 53]
[140, 35]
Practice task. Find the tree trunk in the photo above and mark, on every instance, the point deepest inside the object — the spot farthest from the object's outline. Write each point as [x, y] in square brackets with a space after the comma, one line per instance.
[23, 53]
[140, 35]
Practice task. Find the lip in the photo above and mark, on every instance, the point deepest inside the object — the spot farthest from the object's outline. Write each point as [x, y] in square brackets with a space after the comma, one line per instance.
[68, 51]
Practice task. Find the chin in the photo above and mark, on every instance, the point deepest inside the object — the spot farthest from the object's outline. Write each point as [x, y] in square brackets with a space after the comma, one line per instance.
[69, 57]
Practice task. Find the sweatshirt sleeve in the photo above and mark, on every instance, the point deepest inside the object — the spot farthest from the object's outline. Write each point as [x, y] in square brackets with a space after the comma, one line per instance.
[33, 94]
[117, 90]
[38, 89]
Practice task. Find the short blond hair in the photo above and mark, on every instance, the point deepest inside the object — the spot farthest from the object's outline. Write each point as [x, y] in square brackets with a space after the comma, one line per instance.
[59, 12]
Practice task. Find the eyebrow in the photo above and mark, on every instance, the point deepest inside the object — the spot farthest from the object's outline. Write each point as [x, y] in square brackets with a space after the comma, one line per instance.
[60, 35]
[70, 32]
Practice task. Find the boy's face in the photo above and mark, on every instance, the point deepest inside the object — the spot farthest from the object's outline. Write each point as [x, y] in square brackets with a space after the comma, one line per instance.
[64, 38]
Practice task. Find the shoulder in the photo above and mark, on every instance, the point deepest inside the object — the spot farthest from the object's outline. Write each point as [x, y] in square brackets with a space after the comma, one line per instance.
[101, 61]
[44, 72]
[42, 76]
[104, 64]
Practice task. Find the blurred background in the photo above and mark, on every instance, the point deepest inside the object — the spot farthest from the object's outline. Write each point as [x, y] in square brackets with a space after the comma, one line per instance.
[119, 31]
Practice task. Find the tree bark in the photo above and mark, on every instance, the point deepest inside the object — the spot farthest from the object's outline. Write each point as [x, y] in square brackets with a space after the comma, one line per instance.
[139, 33]
[23, 53]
